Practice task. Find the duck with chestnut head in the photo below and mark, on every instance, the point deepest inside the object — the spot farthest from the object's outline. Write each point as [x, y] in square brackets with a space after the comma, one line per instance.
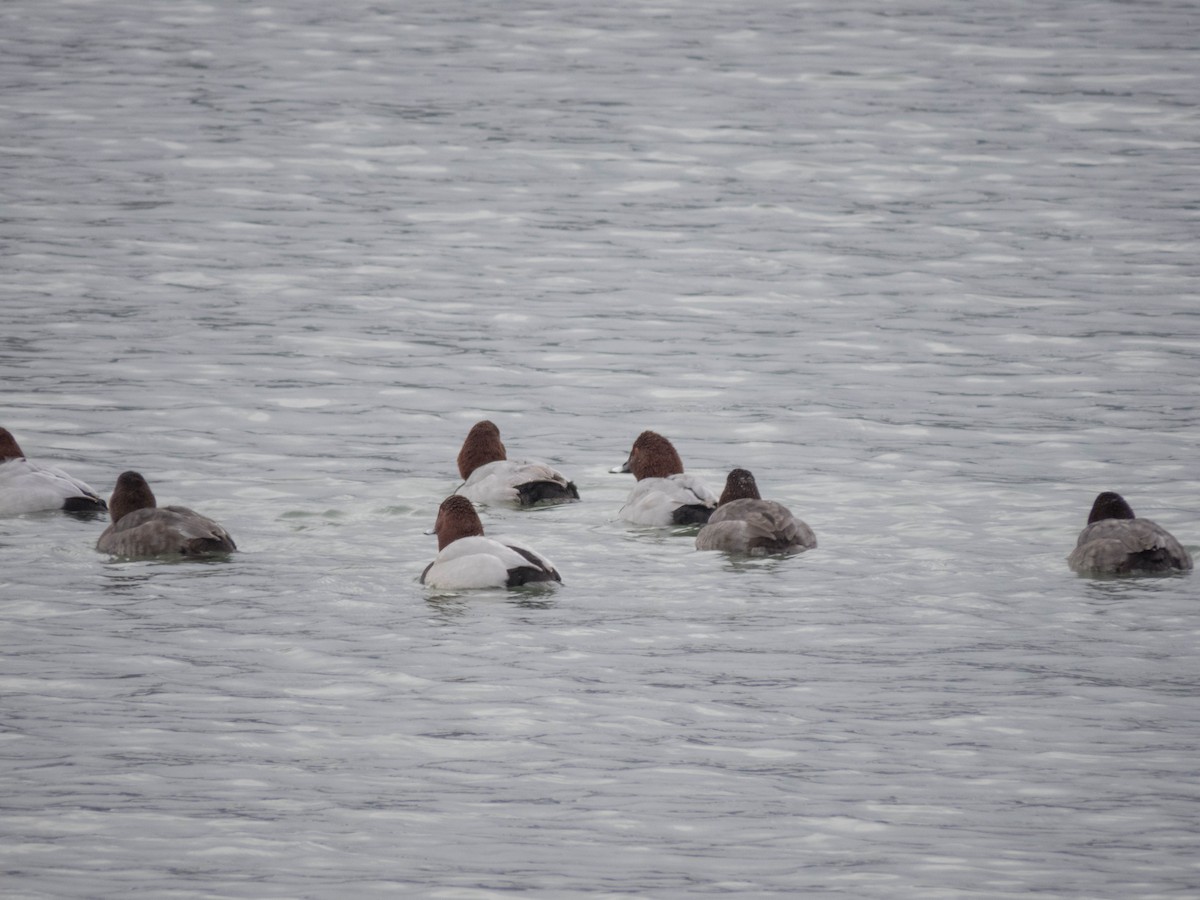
[664, 493]
[468, 559]
[491, 478]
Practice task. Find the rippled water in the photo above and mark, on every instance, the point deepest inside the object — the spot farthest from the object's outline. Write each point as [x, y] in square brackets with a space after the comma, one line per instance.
[928, 270]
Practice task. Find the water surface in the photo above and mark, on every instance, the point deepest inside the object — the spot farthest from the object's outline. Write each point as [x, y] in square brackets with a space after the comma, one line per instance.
[928, 271]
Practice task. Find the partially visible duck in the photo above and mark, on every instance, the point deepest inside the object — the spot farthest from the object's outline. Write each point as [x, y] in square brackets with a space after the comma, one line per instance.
[26, 486]
[1116, 542]
[140, 528]
[743, 522]
[467, 559]
[664, 493]
[490, 477]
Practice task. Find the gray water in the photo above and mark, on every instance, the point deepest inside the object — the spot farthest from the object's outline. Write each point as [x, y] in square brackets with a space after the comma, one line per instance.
[929, 270]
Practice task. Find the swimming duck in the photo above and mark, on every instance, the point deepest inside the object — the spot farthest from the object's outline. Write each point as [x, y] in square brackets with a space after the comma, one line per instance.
[490, 477]
[1116, 542]
[664, 493]
[745, 523]
[467, 559]
[26, 486]
[140, 528]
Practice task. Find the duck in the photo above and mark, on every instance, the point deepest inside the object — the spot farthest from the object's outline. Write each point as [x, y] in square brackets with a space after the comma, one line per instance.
[27, 486]
[141, 528]
[467, 559]
[1116, 542]
[491, 478]
[664, 493]
[743, 522]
